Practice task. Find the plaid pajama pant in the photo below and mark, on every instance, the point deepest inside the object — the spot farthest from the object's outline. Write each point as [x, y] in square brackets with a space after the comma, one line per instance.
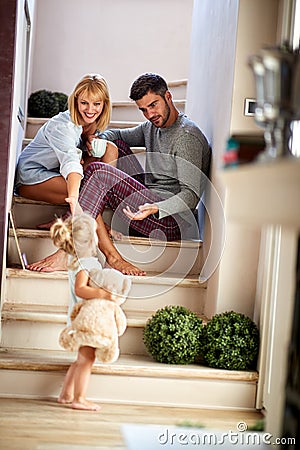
[104, 185]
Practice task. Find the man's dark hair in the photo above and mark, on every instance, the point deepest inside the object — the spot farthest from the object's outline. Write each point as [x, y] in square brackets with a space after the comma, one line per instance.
[148, 82]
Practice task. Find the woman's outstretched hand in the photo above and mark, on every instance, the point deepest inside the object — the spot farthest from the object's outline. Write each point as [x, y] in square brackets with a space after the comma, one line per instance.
[74, 205]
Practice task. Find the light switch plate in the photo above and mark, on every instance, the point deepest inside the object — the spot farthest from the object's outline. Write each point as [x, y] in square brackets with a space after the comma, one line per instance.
[249, 106]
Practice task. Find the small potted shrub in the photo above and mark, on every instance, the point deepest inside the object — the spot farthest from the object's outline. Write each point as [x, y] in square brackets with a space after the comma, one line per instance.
[230, 341]
[42, 105]
[62, 100]
[173, 335]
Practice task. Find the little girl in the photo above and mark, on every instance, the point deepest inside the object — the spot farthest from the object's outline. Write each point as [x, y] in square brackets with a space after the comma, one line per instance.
[77, 237]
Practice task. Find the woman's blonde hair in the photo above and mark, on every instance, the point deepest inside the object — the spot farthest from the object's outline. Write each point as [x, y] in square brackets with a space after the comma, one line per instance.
[76, 236]
[95, 87]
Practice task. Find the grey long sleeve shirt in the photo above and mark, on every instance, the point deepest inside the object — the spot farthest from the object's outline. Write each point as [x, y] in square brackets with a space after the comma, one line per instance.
[176, 157]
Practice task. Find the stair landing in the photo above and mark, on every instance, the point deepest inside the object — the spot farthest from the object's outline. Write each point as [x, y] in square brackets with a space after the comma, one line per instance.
[132, 379]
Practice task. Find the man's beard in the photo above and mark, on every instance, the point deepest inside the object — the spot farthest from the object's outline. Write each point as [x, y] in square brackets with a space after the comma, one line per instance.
[165, 116]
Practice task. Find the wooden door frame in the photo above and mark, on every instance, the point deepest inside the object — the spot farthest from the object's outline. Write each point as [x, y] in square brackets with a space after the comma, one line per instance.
[8, 17]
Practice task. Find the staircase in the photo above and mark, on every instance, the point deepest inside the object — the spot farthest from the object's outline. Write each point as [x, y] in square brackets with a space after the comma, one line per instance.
[34, 311]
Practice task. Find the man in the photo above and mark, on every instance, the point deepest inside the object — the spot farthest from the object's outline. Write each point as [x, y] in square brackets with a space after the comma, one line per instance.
[160, 202]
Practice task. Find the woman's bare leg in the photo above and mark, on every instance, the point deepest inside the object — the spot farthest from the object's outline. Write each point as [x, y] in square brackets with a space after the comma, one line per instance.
[52, 191]
[82, 373]
[58, 260]
[52, 263]
[55, 191]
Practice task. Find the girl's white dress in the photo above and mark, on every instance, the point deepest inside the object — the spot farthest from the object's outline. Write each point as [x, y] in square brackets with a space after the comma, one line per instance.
[87, 264]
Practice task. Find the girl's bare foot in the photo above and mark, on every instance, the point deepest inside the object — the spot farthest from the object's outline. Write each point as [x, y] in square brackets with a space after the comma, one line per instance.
[64, 400]
[125, 267]
[85, 405]
[52, 263]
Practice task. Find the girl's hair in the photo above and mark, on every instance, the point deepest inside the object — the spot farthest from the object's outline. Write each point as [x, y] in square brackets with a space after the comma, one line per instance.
[95, 87]
[76, 236]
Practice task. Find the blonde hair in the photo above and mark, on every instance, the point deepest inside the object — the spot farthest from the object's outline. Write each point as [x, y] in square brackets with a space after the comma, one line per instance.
[95, 87]
[76, 236]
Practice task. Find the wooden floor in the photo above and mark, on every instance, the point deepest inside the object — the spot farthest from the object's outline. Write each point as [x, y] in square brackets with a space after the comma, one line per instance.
[46, 425]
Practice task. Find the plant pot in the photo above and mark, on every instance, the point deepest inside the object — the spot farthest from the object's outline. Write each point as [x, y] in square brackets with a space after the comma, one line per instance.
[33, 125]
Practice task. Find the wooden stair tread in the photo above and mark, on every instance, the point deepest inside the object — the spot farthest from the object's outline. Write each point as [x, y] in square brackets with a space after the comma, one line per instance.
[166, 279]
[27, 141]
[175, 83]
[58, 313]
[19, 200]
[45, 234]
[131, 103]
[112, 123]
[127, 365]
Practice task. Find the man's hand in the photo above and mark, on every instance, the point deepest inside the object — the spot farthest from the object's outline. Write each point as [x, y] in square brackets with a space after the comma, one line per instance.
[144, 211]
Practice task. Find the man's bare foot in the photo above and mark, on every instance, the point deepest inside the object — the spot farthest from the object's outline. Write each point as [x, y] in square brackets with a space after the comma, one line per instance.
[52, 263]
[116, 235]
[86, 405]
[125, 267]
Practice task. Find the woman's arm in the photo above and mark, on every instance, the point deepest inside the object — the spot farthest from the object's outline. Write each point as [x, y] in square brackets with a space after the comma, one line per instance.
[83, 290]
[63, 137]
[73, 184]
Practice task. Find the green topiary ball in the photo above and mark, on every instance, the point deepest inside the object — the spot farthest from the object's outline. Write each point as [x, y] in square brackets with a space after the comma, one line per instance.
[230, 341]
[62, 100]
[172, 335]
[43, 103]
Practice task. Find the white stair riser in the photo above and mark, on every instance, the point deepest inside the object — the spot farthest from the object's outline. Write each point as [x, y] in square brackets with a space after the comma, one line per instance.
[201, 393]
[30, 215]
[149, 297]
[37, 291]
[169, 260]
[179, 91]
[34, 124]
[132, 113]
[27, 334]
[183, 260]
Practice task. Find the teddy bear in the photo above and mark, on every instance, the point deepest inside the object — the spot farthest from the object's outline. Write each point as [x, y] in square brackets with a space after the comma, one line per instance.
[98, 323]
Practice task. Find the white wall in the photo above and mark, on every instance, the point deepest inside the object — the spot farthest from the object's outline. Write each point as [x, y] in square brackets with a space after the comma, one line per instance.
[257, 27]
[21, 75]
[20, 79]
[214, 94]
[117, 38]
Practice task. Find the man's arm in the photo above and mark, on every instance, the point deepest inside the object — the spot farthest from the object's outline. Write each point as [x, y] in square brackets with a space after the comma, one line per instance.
[134, 137]
[195, 155]
[192, 160]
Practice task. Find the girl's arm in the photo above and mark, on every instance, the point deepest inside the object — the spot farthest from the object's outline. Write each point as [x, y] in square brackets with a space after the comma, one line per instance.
[83, 290]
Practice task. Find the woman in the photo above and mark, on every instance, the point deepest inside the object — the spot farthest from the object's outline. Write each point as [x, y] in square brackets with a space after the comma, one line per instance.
[51, 168]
